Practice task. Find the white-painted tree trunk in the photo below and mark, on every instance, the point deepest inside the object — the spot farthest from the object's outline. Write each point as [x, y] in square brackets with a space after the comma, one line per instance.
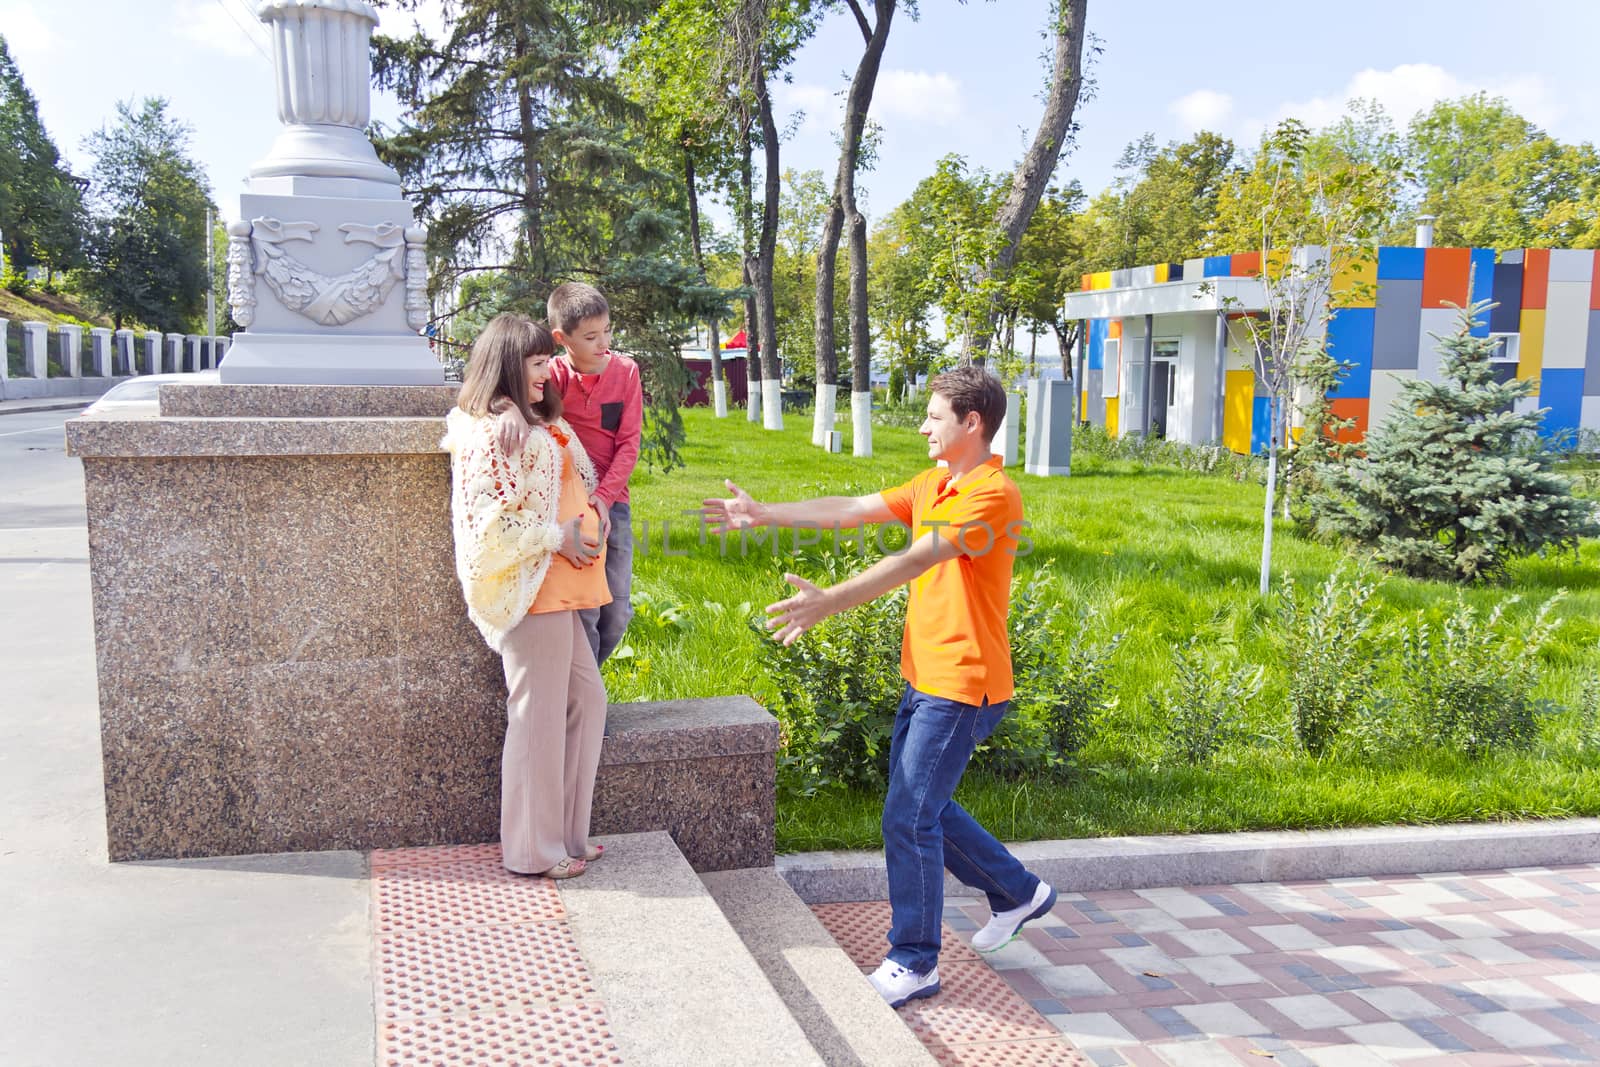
[719, 398]
[771, 404]
[753, 402]
[827, 407]
[861, 423]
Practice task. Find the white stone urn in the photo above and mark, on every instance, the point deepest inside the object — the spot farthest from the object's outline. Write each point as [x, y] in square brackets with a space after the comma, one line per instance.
[324, 73]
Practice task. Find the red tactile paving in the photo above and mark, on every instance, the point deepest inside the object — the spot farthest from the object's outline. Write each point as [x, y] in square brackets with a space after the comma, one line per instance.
[472, 891]
[475, 965]
[861, 929]
[1046, 1052]
[430, 972]
[974, 1005]
[571, 1035]
[977, 1019]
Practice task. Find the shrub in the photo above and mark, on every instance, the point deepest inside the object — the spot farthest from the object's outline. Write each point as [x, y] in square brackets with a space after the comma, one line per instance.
[1330, 656]
[1200, 708]
[1468, 683]
[1062, 688]
[838, 688]
[1157, 451]
[1446, 490]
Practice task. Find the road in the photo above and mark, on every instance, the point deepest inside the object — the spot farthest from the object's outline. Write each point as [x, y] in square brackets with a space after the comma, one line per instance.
[40, 485]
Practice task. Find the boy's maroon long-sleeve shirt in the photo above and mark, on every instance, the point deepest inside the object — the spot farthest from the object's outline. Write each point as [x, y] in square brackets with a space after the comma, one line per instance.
[607, 411]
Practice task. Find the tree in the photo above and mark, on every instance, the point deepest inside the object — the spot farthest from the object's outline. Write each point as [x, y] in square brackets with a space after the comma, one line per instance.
[1053, 257]
[1311, 225]
[41, 208]
[802, 202]
[521, 151]
[1031, 177]
[1446, 489]
[1496, 180]
[842, 210]
[147, 245]
[1160, 207]
[900, 301]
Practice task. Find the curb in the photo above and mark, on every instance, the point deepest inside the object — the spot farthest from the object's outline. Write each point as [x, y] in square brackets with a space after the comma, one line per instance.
[46, 405]
[1105, 863]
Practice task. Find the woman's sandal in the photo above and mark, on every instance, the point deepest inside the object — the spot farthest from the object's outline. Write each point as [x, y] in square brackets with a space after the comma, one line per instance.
[567, 868]
[594, 852]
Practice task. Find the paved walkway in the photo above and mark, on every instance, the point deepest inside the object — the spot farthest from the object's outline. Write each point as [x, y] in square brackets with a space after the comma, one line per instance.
[1473, 970]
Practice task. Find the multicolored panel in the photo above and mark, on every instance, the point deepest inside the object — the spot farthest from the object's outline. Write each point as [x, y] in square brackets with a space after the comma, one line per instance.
[1397, 323]
[1350, 341]
[1535, 277]
[1531, 354]
[1506, 315]
[1354, 410]
[1355, 281]
[1112, 426]
[1239, 392]
[1561, 392]
[1260, 424]
[1097, 343]
[1481, 283]
[1444, 277]
[1387, 390]
[1566, 325]
[1401, 263]
[1216, 266]
[1245, 265]
[1591, 374]
[1432, 325]
[1594, 286]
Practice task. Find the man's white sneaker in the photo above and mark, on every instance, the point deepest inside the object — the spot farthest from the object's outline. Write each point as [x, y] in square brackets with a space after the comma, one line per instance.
[897, 985]
[1004, 925]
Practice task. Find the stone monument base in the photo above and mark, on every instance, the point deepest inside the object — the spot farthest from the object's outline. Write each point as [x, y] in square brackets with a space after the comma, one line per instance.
[285, 662]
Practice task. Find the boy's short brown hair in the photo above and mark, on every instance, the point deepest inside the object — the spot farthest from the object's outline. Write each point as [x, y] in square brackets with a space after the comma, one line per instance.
[572, 302]
[971, 389]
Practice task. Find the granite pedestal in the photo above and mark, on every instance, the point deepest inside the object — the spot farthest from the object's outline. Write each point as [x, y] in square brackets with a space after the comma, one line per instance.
[285, 662]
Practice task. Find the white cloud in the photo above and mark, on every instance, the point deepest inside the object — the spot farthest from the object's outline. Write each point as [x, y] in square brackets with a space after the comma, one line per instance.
[1411, 88]
[25, 31]
[226, 26]
[918, 96]
[1203, 109]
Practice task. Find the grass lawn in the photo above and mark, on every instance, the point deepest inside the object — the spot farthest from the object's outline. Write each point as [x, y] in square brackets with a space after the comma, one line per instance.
[1160, 554]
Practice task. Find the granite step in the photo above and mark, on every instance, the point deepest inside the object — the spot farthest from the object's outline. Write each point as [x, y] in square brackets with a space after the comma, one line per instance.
[678, 984]
[844, 1018]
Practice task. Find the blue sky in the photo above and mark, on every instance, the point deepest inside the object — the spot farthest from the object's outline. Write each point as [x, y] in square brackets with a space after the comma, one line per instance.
[963, 78]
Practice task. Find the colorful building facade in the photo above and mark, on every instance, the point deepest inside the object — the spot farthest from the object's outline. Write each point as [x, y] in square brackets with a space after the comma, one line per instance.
[1385, 313]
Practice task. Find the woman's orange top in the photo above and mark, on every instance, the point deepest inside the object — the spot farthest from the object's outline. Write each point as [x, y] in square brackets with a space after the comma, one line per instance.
[565, 587]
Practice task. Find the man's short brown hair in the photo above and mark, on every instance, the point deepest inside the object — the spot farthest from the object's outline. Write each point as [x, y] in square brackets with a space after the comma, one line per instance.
[572, 302]
[971, 389]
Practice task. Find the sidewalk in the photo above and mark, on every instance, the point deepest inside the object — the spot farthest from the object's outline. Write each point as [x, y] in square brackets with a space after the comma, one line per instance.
[43, 403]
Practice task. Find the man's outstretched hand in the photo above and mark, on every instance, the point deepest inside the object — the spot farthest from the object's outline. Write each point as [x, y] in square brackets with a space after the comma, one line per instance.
[725, 515]
[793, 617]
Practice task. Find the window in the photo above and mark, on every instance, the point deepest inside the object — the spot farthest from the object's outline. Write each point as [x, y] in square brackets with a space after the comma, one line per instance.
[1113, 368]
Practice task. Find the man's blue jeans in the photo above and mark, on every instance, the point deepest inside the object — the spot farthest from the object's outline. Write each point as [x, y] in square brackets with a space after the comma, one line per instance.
[925, 831]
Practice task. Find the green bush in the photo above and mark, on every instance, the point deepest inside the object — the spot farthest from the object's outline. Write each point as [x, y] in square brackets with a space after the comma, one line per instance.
[1469, 682]
[1201, 708]
[839, 686]
[1330, 656]
[1063, 688]
[1159, 452]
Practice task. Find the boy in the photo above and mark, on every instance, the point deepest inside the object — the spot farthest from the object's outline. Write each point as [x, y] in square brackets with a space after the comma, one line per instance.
[603, 401]
[955, 657]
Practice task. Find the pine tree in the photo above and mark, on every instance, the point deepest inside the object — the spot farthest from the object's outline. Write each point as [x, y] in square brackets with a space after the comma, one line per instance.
[1448, 488]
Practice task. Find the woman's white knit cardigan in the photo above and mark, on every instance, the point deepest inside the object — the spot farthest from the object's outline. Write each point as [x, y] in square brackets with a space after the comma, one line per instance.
[503, 509]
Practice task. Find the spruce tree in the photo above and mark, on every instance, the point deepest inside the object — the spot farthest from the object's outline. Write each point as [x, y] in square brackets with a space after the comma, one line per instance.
[1448, 487]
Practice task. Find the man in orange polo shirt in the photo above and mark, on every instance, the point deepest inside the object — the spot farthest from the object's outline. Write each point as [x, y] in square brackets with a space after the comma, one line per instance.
[965, 520]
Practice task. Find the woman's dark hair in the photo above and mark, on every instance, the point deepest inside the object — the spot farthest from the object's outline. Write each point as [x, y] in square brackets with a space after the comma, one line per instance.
[494, 369]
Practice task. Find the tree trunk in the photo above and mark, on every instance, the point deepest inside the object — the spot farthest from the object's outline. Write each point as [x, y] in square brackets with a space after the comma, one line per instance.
[766, 253]
[843, 205]
[752, 346]
[860, 339]
[1272, 488]
[1033, 174]
[719, 388]
[532, 208]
